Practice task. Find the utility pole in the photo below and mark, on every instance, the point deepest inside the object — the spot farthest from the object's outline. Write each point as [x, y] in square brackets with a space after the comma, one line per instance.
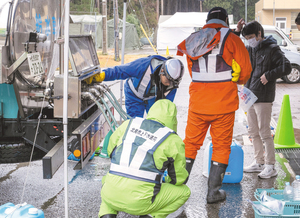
[157, 9]
[116, 22]
[200, 5]
[123, 51]
[104, 27]
[162, 7]
[273, 12]
[245, 11]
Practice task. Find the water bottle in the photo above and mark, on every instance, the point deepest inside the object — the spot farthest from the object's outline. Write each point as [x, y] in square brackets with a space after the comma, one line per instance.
[288, 192]
[296, 186]
[271, 203]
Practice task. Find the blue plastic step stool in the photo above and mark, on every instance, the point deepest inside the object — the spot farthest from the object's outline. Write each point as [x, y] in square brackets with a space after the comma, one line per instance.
[234, 171]
[9, 210]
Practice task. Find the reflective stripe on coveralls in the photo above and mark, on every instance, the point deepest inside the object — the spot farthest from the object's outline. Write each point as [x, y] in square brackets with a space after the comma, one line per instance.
[218, 98]
[139, 144]
[212, 67]
[141, 89]
[137, 197]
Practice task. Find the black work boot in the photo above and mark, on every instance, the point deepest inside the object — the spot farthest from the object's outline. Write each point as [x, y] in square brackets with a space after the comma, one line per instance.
[188, 166]
[109, 216]
[216, 175]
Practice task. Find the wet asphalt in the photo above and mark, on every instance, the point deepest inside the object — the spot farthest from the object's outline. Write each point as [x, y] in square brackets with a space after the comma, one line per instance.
[23, 182]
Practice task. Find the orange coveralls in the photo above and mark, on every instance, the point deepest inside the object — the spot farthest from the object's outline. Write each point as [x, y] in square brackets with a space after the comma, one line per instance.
[214, 103]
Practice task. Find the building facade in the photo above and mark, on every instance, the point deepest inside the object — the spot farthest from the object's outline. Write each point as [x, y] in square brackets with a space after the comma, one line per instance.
[280, 13]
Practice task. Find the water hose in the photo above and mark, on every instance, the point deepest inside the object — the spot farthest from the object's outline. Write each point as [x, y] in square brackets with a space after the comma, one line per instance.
[98, 94]
[93, 98]
[115, 99]
[117, 106]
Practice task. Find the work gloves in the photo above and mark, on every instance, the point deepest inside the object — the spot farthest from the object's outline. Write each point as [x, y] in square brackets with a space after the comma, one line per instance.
[99, 77]
[236, 71]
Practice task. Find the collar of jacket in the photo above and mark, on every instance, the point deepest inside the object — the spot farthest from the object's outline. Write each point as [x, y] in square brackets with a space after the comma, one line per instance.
[155, 81]
[267, 41]
[215, 23]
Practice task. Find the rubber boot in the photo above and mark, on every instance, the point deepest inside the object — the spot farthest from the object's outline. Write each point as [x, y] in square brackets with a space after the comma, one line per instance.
[188, 166]
[109, 216]
[216, 175]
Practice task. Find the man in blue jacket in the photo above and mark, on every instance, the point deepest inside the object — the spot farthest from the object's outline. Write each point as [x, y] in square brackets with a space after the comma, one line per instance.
[148, 79]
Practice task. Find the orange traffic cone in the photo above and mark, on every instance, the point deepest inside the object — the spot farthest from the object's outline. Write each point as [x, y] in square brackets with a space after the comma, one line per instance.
[284, 136]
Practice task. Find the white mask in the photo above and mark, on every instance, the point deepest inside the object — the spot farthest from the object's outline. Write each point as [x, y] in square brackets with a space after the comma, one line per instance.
[253, 42]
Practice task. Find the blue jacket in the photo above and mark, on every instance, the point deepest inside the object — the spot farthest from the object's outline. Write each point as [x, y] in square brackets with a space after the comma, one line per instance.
[138, 74]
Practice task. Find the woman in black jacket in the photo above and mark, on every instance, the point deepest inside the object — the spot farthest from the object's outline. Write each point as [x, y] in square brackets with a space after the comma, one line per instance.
[268, 64]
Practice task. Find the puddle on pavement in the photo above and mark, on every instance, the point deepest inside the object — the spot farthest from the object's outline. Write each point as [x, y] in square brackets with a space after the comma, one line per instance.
[7, 176]
[50, 201]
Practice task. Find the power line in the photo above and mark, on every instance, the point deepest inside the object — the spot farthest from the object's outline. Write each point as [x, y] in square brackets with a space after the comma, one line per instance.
[144, 15]
[131, 7]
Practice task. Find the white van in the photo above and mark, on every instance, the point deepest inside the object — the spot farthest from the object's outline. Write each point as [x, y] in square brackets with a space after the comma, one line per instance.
[291, 51]
[282, 39]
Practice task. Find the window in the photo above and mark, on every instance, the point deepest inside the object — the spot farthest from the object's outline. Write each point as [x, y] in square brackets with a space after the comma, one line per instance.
[281, 23]
[275, 36]
[293, 17]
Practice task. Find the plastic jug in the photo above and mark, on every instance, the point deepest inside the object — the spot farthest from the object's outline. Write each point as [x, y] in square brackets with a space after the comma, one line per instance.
[10, 210]
[234, 171]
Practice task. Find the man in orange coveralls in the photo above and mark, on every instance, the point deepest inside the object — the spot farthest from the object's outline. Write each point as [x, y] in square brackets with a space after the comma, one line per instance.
[217, 60]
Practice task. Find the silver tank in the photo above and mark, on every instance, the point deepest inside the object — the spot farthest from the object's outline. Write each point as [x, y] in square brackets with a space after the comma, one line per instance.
[42, 16]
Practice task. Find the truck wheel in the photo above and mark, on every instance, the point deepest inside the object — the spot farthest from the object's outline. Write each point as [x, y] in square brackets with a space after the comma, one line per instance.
[18, 152]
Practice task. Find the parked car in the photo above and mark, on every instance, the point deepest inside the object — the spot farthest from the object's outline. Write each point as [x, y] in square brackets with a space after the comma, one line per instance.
[290, 49]
[282, 39]
[292, 56]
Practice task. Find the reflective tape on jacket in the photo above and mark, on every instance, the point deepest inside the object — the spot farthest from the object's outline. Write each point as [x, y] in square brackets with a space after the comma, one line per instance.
[142, 87]
[134, 157]
[211, 67]
[212, 77]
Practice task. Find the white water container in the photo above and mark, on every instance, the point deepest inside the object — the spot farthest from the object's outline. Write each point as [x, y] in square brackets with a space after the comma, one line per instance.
[296, 187]
[288, 192]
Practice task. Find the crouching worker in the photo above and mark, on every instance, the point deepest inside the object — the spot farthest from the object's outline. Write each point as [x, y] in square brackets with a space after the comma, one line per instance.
[141, 150]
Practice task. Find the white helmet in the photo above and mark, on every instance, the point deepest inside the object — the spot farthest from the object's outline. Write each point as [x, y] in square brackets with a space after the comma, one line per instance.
[174, 70]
